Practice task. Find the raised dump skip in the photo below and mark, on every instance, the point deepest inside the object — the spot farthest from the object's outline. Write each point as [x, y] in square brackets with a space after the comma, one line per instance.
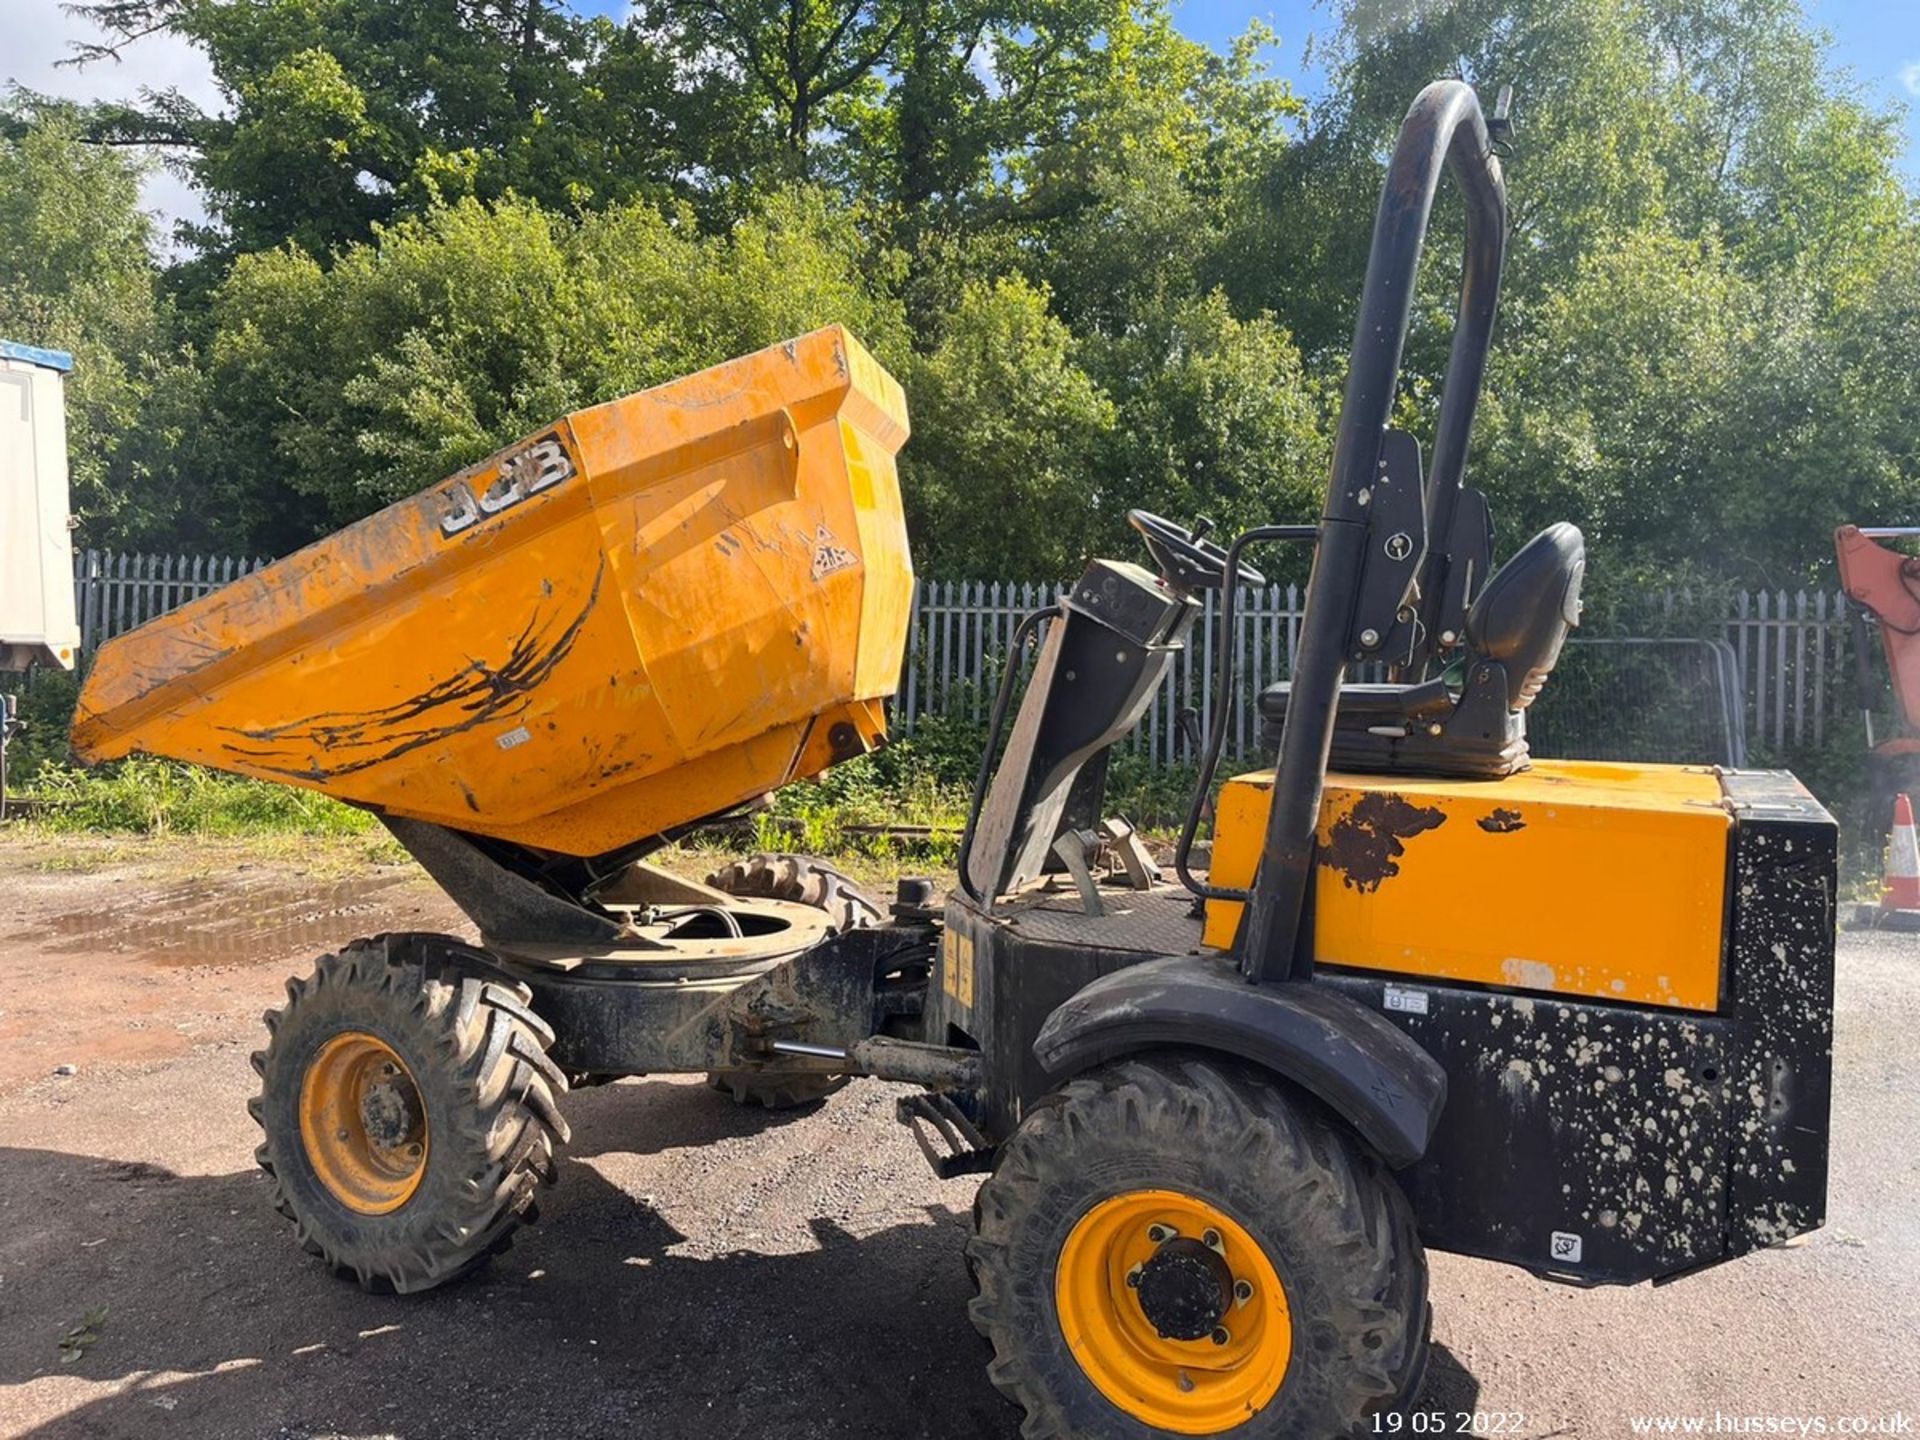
[647, 613]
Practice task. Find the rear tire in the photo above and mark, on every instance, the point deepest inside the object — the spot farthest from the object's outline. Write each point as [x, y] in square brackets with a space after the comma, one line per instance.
[1304, 1211]
[802, 880]
[409, 1108]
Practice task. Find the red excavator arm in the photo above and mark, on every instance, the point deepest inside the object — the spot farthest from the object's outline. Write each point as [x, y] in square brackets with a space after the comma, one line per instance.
[1886, 585]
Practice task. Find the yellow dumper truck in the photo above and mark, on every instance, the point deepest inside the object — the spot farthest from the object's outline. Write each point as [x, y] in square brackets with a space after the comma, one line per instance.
[1431, 992]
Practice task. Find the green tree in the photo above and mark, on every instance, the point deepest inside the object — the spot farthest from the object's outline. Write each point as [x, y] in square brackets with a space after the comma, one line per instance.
[799, 58]
[1114, 267]
[1122, 199]
[341, 115]
[1705, 216]
[77, 273]
[454, 332]
[1697, 420]
[1007, 427]
[1217, 417]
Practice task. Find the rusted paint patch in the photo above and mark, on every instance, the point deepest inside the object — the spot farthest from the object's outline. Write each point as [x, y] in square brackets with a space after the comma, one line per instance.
[1500, 821]
[477, 695]
[1365, 845]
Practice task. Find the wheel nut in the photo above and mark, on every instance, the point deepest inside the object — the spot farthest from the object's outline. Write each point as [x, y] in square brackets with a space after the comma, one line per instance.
[387, 1067]
[1220, 1336]
[1133, 1277]
[340, 1134]
[1211, 1239]
[414, 1152]
[1159, 1234]
[1242, 1291]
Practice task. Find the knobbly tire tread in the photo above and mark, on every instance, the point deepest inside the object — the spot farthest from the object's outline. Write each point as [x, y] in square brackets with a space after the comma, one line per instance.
[478, 1054]
[773, 1088]
[1330, 1216]
[802, 880]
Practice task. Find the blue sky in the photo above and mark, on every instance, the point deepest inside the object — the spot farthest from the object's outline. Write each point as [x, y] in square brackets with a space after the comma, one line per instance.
[1878, 40]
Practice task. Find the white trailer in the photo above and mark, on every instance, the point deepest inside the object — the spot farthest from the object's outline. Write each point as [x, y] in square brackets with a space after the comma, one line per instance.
[37, 624]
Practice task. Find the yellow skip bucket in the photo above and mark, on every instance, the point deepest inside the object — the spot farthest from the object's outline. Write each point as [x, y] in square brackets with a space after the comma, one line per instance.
[651, 611]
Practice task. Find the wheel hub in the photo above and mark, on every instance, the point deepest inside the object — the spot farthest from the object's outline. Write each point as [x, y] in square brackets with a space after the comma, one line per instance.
[390, 1111]
[363, 1123]
[1174, 1311]
[1185, 1290]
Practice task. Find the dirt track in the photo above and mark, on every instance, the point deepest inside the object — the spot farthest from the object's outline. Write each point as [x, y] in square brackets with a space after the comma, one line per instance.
[701, 1270]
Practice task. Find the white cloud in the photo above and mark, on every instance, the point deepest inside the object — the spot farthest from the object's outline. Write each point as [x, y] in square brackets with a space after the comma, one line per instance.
[1910, 76]
[40, 34]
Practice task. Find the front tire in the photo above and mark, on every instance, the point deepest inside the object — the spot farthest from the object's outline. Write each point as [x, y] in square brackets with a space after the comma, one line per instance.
[409, 1108]
[1172, 1244]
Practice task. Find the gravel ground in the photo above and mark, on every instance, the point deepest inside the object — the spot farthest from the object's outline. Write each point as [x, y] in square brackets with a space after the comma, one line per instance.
[706, 1271]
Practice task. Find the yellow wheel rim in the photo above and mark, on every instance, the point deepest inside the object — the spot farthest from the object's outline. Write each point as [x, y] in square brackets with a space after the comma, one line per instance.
[363, 1123]
[1172, 1245]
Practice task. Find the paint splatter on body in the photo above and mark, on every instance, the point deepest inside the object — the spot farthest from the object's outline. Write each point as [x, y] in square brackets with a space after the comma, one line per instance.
[1365, 845]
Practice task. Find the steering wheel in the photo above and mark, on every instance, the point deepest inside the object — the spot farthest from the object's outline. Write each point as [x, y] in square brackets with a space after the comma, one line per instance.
[1186, 559]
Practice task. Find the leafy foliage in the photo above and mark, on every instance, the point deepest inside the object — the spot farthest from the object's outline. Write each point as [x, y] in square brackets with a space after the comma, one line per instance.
[355, 383]
[1113, 267]
[1008, 428]
[159, 797]
[76, 274]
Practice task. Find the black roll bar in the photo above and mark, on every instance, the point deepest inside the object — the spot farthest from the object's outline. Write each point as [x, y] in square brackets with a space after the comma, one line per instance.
[1444, 129]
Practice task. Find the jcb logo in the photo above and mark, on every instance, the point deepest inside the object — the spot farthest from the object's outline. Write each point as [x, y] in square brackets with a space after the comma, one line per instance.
[540, 466]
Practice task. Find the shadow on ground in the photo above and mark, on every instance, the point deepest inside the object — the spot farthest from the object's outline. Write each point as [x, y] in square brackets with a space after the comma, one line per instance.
[601, 1321]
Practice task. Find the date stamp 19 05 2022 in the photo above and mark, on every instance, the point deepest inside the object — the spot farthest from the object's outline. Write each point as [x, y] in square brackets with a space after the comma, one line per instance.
[1450, 1422]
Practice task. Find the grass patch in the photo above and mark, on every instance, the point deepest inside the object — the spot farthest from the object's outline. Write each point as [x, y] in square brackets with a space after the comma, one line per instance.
[69, 860]
[163, 797]
[829, 816]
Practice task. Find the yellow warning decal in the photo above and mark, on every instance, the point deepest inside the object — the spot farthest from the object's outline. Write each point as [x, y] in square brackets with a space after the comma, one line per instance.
[956, 967]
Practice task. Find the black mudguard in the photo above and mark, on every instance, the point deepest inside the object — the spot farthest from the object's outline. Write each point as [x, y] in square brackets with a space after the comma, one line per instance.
[1368, 1072]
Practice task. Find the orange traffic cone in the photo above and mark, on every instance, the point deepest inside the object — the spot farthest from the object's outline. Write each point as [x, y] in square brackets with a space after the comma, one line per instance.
[1902, 887]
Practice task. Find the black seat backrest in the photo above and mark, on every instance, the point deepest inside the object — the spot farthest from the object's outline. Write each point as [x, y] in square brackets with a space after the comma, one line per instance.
[1522, 616]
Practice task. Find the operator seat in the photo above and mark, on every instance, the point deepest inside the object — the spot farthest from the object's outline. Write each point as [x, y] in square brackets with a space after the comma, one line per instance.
[1471, 720]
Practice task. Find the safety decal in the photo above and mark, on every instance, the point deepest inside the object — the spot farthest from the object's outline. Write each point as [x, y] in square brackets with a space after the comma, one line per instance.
[829, 555]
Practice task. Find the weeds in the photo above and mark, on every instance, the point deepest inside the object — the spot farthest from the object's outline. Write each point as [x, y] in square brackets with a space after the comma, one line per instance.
[833, 815]
[162, 797]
